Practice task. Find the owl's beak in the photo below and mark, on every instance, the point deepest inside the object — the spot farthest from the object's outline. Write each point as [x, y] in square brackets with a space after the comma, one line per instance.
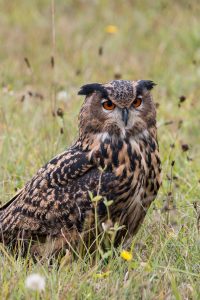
[125, 115]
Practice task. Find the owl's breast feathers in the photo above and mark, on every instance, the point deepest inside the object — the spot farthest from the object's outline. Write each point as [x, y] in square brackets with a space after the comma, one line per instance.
[136, 177]
[56, 198]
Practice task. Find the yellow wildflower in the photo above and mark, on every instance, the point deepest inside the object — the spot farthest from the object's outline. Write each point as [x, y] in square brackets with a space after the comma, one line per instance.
[102, 275]
[111, 29]
[126, 255]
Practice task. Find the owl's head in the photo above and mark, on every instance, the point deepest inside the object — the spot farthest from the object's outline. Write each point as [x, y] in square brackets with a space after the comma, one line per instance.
[119, 108]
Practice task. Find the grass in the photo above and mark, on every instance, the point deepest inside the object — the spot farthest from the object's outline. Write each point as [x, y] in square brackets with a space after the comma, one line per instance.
[154, 40]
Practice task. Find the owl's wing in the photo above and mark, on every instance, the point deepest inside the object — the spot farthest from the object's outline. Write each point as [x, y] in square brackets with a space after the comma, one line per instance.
[48, 198]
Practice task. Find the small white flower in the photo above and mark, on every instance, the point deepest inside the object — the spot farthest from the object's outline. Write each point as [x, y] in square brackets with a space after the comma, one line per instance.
[62, 96]
[107, 225]
[35, 282]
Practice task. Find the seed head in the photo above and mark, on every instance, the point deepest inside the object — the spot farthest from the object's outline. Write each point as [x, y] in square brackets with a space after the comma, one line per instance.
[35, 282]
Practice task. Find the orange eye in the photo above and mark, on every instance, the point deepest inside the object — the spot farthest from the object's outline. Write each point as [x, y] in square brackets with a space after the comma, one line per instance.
[108, 105]
[137, 102]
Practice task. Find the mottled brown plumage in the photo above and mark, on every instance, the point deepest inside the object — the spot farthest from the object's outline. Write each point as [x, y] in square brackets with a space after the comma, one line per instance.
[116, 156]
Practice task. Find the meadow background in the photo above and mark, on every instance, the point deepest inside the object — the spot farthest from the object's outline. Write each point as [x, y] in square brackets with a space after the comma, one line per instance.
[47, 51]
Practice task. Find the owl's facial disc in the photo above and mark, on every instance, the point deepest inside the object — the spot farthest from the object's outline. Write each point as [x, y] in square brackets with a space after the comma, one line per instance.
[119, 107]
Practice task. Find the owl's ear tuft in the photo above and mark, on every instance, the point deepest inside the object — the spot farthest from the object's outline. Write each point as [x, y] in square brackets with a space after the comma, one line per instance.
[145, 84]
[91, 88]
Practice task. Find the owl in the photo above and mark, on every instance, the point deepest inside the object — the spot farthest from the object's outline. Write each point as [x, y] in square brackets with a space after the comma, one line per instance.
[115, 157]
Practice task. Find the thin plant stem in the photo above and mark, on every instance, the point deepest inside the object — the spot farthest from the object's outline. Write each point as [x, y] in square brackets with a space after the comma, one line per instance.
[53, 36]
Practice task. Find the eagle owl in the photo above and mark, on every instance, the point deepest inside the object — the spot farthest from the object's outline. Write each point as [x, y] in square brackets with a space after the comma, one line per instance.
[115, 156]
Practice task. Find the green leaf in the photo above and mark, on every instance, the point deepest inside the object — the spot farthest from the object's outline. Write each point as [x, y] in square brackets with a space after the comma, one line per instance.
[96, 198]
